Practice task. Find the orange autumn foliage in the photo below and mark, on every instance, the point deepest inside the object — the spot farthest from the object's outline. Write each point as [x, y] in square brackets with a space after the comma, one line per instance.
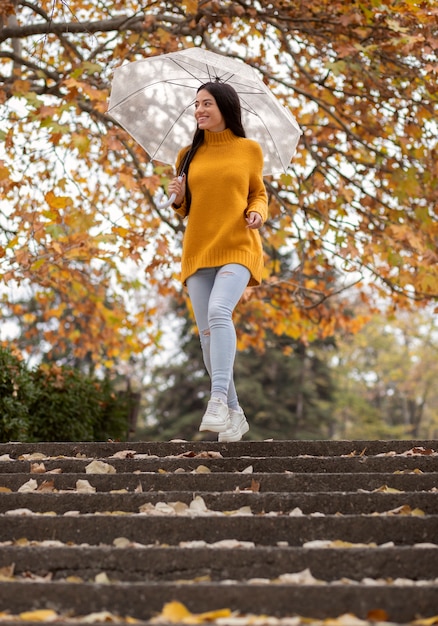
[87, 260]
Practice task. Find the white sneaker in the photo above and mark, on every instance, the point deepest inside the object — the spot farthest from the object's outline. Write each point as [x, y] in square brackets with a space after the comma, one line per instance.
[239, 426]
[216, 417]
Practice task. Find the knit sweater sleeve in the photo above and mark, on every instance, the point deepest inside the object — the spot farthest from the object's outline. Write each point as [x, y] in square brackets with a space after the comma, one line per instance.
[257, 197]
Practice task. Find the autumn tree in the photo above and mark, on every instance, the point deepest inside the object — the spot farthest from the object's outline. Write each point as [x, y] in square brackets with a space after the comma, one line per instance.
[81, 235]
[385, 377]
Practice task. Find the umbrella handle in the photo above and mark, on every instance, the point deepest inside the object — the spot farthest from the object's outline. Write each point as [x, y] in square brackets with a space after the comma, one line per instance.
[169, 201]
[166, 203]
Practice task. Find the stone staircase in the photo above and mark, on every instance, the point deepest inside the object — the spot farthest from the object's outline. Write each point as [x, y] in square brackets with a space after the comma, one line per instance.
[250, 533]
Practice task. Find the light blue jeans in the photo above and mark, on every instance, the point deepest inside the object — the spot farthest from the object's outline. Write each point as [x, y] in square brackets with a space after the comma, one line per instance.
[214, 293]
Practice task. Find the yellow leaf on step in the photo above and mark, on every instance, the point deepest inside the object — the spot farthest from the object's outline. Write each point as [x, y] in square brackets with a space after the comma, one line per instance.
[426, 621]
[174, 612]
[202, 469]
[74, 579]
[41, 615]
[211, 616]
[386, 489]
[405, 509]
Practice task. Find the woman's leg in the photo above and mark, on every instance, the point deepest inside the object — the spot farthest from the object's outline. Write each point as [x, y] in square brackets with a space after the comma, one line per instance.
[199, 287]
[214, 293]
[231, 280]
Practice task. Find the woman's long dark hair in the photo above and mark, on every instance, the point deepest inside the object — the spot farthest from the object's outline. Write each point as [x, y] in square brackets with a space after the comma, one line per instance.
[228, 103]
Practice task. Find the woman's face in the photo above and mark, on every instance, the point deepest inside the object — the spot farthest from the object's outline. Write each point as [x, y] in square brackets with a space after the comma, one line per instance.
[207, 112]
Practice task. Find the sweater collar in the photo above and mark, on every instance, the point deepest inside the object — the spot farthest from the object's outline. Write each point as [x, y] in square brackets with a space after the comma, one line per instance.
[219, 138]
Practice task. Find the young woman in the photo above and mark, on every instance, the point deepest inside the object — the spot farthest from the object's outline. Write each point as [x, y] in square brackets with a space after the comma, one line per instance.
[220, 186]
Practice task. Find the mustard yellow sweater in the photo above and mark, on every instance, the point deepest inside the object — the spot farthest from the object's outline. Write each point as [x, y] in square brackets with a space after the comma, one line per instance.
[226, 183]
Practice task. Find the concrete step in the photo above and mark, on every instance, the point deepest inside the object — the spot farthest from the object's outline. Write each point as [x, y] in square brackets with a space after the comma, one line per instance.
[325, 533]
[262, 530]
[174, 563]
[242, 448]
[222, 481]
[260, 465]
[328, 503]
[143, 600]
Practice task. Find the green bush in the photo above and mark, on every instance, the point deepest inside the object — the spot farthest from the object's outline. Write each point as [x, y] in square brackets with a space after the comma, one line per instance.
[17, 392]
[66, 407]
[54, 403]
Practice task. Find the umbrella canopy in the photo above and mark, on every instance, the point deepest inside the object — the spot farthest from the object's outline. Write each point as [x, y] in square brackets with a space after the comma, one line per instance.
[153, 100]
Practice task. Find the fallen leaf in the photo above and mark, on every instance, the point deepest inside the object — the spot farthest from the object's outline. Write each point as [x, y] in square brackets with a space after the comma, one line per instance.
[377, 615]
[22, 541]
[347, 619]
[5, 490]
[83, 486]
[255, 486]
[426, 621]
[99, 467]
[36, 578]
[174, 612]
[336, 543]
[37, 468]
[47, 486]
[204, 454]
[124, 454]
[5, 457]
[76, 580]
[296, 512]
[102, 616]
[20, 512]
[244, 510]
[34, 456]
[231, 544]
[405, 509]
[420, 450]
[211, 616]
[102, 579]
[386, 489]
[248, 470]
[121, 542]
[305, 577]
[197, 505]
[202, 469]
[29, 486]
[42, 615]
[7, 572]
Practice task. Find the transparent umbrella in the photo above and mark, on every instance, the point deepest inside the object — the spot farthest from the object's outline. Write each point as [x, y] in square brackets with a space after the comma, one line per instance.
[152, 99]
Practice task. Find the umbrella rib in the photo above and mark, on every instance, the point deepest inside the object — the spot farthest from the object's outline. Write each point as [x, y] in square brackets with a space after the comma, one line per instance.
[185, 66]
[170, 129]
[251, 110]
[132, 94]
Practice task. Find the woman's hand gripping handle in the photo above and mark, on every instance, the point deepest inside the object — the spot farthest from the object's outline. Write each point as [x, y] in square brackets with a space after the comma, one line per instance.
[177, 191]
